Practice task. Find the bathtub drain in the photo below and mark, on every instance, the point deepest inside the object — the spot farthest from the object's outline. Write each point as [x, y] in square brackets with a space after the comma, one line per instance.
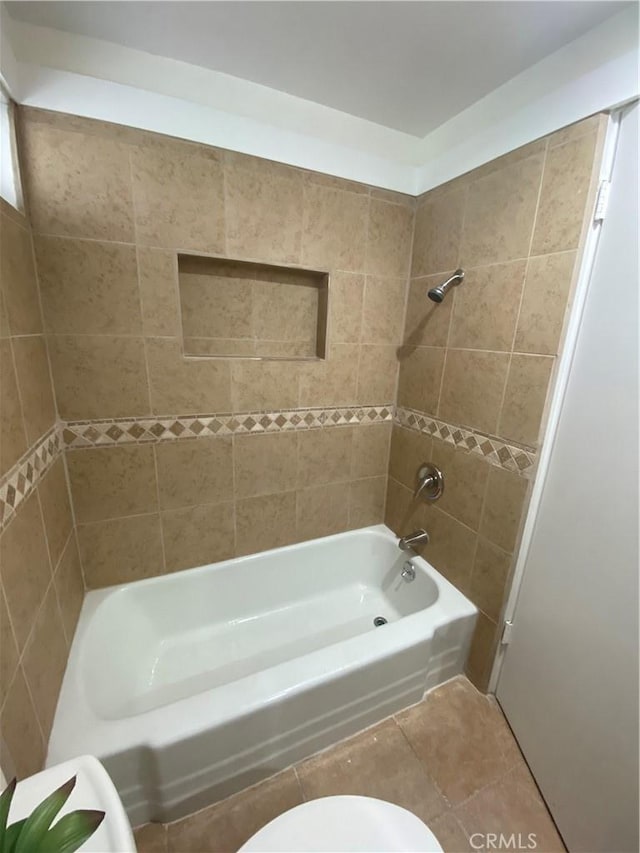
[379, 620]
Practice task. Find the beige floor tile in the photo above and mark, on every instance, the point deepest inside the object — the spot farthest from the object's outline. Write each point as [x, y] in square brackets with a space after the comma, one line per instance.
[227, 825]
[151, 838]
[447, 830]
[512, 805]
[377, 763]
[461, 738]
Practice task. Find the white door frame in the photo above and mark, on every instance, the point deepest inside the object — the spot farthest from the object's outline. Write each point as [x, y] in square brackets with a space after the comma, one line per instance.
[565, 361]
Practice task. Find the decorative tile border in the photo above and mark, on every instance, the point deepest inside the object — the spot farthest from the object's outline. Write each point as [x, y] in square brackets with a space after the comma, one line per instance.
[101, 433]
[21, 480]
[497, 452]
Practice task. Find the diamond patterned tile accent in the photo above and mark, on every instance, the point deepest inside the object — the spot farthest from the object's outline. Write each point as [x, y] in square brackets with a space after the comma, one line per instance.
[114, 432]
[504, 454]
[80, 434]
[136, 431]
[492, 449]
[18, 483]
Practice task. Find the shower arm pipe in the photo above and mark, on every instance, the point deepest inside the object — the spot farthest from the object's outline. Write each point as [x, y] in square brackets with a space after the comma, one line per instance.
[454, 279]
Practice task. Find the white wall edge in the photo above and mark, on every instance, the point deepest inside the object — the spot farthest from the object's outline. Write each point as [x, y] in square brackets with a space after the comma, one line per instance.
[606, 88]
[565, 363]
[65, 91]
[9, 72]
[96, 79]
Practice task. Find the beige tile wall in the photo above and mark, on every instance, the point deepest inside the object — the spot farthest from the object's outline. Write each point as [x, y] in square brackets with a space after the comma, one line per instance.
[112, 208]
[41, 584]
[485, 357]
[143, 510]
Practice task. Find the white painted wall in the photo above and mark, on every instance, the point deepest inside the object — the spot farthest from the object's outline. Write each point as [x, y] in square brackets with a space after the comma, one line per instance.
[97, 79]
[9, 75]
[574, 647]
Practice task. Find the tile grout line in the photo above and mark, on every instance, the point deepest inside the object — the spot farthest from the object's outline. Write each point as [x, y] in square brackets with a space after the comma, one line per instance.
[138, 288]
[70, 537]
[396, 392]
[160, 521]
[303, 793]
[365, 289]
[50, 585]
[72, 506]
[21, 657]
[447, 345]
[448, 514]
[146, 351]
[45, 334]
[54, 567]
[524, 281]
[352, 461]
[230, 500]
[422, 764]
[297, 360]
[234, 493]
[477, 542]
[19, 394]
[473, 267]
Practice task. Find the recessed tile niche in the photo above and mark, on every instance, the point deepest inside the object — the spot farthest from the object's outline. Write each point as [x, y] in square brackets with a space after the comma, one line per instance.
[240, 309]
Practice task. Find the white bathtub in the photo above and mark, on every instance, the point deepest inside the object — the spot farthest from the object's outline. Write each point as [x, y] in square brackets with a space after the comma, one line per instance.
[193, 685]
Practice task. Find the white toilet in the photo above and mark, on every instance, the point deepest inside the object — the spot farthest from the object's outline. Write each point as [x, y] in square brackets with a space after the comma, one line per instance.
[340, 824]
[94, 790]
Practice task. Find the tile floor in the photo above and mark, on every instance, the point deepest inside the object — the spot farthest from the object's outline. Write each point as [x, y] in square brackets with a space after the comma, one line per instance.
[451, 759]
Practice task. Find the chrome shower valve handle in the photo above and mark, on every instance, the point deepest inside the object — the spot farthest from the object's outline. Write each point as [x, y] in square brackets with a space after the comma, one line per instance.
[430, 482]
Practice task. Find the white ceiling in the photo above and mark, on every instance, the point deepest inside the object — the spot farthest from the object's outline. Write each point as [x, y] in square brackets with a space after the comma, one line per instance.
[410, 66]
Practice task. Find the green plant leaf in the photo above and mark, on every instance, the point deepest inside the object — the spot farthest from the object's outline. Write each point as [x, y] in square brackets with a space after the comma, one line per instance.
[5, 805]
[71, 831]
[42, 817]
[11, 835]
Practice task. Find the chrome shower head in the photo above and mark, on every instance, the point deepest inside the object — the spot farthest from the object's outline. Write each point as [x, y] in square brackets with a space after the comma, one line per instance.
[437, 294]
